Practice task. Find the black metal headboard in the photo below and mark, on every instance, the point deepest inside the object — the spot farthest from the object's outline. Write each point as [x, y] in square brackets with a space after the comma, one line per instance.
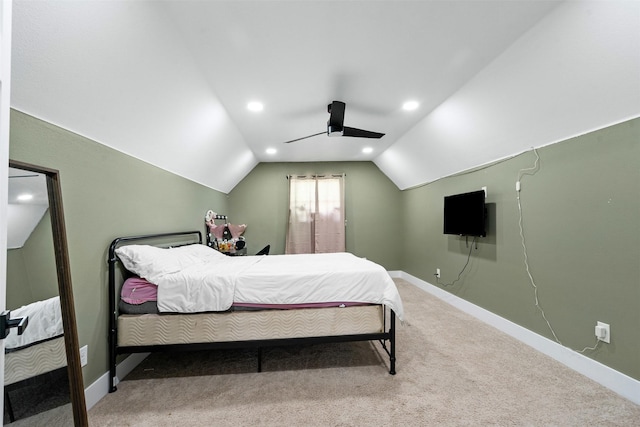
[129, 239]
[181, 236]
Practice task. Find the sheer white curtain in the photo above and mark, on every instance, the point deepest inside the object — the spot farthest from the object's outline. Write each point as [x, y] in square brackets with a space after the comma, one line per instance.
[316, 215]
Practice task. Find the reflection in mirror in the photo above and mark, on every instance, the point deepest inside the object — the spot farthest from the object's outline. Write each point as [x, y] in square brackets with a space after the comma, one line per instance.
[35, 362]
[43, 382]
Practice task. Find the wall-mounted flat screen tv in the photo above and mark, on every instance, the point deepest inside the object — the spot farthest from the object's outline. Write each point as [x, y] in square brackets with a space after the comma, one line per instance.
[465, 214]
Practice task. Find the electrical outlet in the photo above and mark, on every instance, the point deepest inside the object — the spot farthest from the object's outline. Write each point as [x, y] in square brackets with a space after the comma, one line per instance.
[83, 355]
[438, 273]
[603, 332]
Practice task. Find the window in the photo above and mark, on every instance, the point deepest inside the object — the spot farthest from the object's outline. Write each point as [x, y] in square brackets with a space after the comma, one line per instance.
[316, 214]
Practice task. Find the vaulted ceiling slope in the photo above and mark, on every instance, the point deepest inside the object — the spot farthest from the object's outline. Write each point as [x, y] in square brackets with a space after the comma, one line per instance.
[168, 82]
[28, 202]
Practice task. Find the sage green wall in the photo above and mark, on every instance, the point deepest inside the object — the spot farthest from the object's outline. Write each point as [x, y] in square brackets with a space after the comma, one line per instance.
[373, 208]
[581, 216]
[106, 194]
[18, 288]
[31, 270]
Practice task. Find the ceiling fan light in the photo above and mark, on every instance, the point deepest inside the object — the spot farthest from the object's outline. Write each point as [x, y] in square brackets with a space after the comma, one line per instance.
[410, 105]
[337, 131]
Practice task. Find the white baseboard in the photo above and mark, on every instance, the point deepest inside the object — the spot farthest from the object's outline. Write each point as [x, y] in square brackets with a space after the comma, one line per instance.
[100, 387]
[618, 382]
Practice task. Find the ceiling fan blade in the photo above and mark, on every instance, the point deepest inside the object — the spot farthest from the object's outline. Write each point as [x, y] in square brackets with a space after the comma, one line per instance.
[304, 137]
[336, 127]
[359, 133]
[336, 116]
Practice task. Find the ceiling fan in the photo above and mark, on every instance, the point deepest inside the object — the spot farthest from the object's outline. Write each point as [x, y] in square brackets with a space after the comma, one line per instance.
[335, 125]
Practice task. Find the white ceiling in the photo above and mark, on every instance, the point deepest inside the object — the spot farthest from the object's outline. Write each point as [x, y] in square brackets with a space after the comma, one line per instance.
[24, 215]
[297, 57]
[168, 81]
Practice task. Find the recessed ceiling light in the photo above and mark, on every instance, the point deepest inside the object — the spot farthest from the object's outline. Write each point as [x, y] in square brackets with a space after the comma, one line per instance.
[25, 197]
[255, 106]
[367, 150]
[410, 105]
[271, 151]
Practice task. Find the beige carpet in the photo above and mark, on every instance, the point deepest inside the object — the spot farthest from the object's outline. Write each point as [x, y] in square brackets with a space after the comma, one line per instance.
[452, 370]
[62, 416]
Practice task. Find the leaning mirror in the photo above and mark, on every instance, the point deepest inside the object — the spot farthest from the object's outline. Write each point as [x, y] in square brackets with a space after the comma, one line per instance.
[43, 376]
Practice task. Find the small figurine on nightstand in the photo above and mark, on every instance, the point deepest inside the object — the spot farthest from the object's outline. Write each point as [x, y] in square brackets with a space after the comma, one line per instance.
[227, 237]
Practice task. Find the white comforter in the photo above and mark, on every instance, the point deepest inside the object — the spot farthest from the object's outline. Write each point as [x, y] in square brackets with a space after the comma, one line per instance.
[202, 286]
[197, 279]
[335, 277]
[45, 321]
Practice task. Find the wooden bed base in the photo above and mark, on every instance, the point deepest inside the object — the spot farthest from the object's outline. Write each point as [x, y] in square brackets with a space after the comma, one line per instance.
[386, 337]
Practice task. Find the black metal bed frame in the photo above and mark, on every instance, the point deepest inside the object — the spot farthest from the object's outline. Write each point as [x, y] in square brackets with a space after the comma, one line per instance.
[114, 350]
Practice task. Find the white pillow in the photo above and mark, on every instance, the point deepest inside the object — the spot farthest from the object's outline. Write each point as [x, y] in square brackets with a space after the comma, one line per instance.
[196, 253]
[151, 262]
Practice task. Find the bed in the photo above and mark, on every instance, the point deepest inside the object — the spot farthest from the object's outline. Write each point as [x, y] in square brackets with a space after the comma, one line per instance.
[39, 350]
[206, 300]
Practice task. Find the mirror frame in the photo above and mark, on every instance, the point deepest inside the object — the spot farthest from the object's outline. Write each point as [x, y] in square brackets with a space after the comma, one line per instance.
[71, 342]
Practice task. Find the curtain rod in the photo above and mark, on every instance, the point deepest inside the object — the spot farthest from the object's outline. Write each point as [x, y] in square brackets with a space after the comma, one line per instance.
[316, 176]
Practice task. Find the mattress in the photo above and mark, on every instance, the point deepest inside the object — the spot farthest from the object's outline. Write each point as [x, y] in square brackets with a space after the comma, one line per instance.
[34, 360]
[198, 279]
[163, 329]
[138, 296]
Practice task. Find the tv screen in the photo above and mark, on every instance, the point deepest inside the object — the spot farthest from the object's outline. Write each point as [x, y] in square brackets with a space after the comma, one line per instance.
[464, 214]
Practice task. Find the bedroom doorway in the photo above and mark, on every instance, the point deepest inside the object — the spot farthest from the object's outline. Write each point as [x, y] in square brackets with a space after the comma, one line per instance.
[316, 214]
